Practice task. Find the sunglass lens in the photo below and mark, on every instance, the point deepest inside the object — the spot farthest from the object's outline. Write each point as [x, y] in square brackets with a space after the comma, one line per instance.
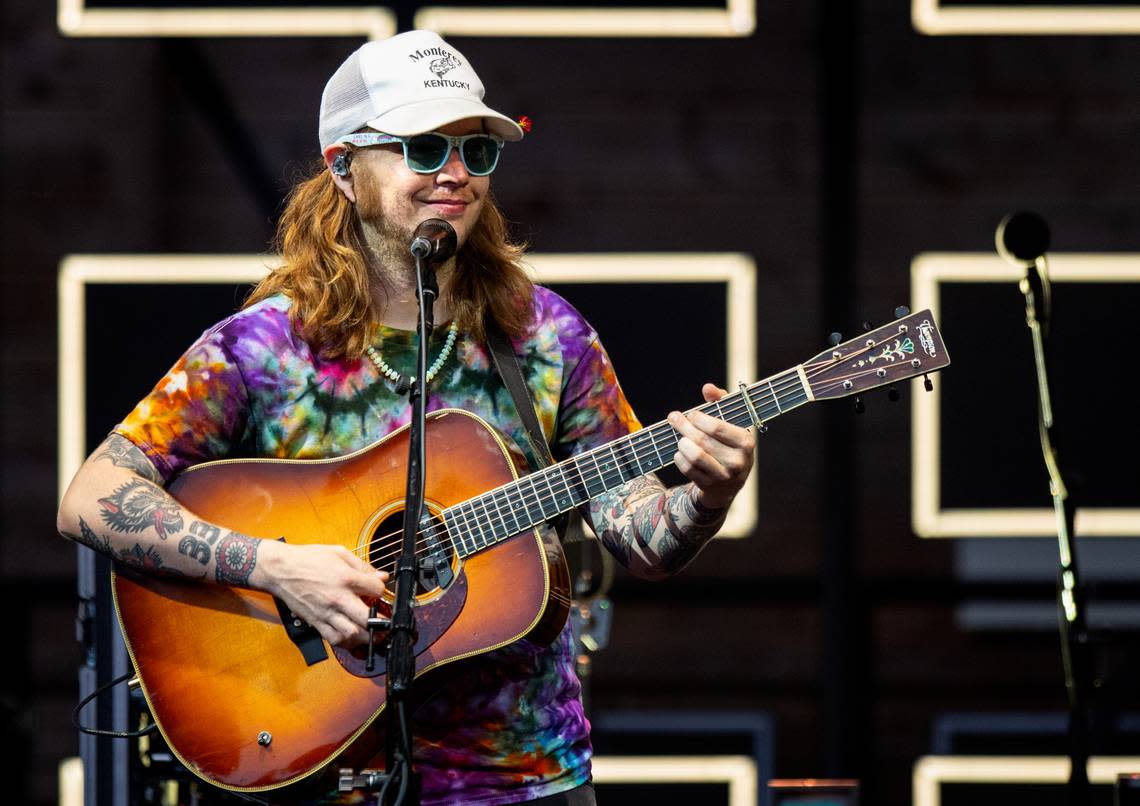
[426, 153]
[480, 155]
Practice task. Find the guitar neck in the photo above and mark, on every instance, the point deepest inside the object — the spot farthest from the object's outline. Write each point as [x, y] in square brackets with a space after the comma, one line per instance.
[485, 520]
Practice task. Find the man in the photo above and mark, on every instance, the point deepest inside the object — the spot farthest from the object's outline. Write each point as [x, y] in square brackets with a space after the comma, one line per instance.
[314, 366]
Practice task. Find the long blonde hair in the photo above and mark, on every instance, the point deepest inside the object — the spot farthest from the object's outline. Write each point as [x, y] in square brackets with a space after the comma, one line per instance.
[325, 275]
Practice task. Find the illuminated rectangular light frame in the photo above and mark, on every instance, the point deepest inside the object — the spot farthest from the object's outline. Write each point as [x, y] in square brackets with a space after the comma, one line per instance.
[736, 19]
[75, 19]
[934, 19]
[738, 772]
[736, 271]
[930, 772]
[70, 781]
[928, 518]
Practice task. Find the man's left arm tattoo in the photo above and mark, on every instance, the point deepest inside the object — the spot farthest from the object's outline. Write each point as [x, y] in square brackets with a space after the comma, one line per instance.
[652, 531]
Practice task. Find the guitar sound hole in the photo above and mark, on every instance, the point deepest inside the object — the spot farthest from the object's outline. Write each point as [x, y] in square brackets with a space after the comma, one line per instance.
[436, 560]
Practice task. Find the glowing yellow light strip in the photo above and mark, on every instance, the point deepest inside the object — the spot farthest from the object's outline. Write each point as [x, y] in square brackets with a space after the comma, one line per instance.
[737, 19]
[74, 19]
[927, 516]
[932, 18]
[71, 781]
[738, 272]
[930, 772]
[76, 272]
[739, 772]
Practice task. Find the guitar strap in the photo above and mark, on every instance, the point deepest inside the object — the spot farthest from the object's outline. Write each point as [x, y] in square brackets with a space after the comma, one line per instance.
[510, 370]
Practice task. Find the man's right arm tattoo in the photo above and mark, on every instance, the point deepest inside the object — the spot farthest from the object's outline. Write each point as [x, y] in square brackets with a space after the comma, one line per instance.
[121, 452]
[199, 543]
[87, 537]
[146, 527]
[139, 504]
[236, 558]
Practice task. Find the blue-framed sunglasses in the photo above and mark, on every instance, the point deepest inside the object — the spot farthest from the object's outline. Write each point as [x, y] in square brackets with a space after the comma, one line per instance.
[427, 153]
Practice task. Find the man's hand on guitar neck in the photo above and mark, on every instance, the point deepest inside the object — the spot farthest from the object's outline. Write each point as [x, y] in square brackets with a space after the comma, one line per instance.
[715, 455]
[117, 506]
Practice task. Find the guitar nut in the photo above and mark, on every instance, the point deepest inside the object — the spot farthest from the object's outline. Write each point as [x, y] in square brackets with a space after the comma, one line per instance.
[265, 738]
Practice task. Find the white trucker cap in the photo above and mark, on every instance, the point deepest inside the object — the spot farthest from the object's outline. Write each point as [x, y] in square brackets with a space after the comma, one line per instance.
[411, 83]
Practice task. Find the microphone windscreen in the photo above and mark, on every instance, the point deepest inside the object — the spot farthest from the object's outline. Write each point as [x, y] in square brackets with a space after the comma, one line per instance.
[1022, 237]
[441, 235]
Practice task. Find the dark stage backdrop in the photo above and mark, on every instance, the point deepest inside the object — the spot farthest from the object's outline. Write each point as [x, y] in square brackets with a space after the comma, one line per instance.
[832, 145]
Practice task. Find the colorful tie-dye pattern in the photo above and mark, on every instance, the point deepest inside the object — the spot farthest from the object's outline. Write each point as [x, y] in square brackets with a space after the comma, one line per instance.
[511, 728]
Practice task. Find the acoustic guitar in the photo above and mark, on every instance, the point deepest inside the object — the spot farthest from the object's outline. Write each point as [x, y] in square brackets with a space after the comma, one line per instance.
[250, 699]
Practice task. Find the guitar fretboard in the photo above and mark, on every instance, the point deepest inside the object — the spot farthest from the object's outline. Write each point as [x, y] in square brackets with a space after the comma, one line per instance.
[497, 514]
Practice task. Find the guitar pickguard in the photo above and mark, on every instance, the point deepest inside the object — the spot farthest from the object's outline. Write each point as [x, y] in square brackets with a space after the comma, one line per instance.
[432, 621]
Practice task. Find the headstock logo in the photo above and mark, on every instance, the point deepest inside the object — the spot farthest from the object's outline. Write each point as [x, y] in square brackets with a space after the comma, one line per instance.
[926, 338]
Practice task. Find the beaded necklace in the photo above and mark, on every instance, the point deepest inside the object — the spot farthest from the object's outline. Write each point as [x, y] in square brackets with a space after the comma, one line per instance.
[403, 384]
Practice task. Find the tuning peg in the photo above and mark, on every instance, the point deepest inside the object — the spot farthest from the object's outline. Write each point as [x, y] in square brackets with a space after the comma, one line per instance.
[926, 384]
[835, 338]
[892, 394]
[859, 407]
[901, 311]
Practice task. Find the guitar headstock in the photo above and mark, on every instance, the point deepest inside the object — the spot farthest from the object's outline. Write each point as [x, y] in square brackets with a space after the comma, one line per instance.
[905, 348]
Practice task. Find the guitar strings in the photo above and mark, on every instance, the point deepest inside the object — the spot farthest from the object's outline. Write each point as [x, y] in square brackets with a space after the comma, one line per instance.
[433, 533]
[735, 409]
[640, 452]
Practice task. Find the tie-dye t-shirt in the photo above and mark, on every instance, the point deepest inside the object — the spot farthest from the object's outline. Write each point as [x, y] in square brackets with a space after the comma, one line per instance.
[511, 728]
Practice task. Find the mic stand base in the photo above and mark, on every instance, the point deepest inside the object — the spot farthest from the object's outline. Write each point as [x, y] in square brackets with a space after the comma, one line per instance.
[373, 781]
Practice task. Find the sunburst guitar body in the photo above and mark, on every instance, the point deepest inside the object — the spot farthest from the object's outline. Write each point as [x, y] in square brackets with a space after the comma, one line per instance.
[233, 693]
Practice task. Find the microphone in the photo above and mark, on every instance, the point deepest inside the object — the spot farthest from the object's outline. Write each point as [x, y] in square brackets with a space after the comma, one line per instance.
[434, 240]
[1022, 237]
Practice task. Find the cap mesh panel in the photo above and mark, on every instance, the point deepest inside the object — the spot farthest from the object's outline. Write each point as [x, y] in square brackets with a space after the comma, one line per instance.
[346, 104]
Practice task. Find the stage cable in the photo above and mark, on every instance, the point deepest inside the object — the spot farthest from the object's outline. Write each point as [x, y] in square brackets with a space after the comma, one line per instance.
[114, 734]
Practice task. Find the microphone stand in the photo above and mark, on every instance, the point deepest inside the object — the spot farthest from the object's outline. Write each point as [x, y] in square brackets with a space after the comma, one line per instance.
[402, 638]
[1070, 597]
